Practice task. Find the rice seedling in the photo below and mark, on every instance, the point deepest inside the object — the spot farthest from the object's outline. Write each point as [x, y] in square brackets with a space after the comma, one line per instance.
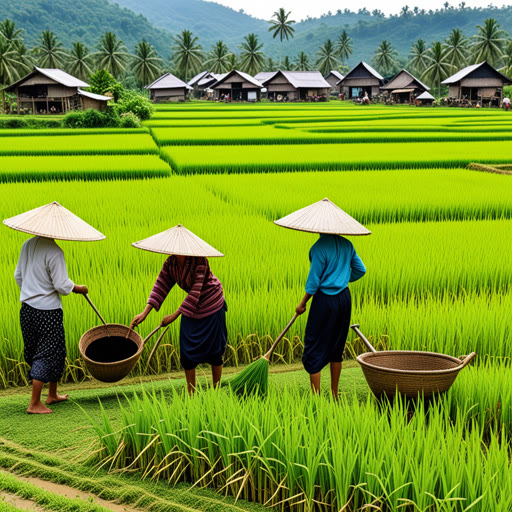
[278, 158]
[38, 132]
[300, 452]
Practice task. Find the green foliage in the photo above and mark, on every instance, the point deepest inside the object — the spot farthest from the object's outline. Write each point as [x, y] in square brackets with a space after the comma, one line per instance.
[101, 82]
[136, 104]
[73, 119]
[130, 120]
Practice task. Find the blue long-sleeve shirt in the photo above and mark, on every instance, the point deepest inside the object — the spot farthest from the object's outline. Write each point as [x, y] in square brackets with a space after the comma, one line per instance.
[334, 263]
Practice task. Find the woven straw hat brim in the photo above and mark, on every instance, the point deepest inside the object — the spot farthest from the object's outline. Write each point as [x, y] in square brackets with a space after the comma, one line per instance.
[323, 217]
[54, 221]
[178, 241]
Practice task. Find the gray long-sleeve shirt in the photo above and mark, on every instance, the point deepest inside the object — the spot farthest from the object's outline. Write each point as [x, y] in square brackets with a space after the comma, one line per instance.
[41, 274]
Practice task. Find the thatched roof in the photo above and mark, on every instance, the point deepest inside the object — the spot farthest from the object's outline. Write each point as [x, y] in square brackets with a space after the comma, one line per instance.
[467, 71]
[56, 75]
[302, 79]
[168, 81]
[413, 82]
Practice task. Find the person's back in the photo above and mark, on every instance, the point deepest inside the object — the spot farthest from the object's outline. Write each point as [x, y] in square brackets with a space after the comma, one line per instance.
[41, 274]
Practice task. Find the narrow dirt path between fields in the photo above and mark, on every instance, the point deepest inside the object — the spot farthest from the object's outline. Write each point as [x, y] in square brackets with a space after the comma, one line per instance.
[67, 492]
[21, 503]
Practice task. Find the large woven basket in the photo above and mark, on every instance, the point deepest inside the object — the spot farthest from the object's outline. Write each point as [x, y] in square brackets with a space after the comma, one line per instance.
[110, 372]
[410, 373]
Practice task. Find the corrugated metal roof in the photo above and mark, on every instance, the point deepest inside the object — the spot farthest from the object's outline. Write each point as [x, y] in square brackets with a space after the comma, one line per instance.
[303, 79]
[57, 75]
[337, 74]
[425, 96]
[264, 75]
[389, 85]
[243, 75]
[168, 81]
[94, 96]
[457, 77]
[193, 81]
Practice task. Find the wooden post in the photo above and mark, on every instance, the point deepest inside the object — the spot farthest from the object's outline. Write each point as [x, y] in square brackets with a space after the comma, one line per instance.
[46, 104]
[33, 106]
[62, 103]
[17, 102]
[3, 100]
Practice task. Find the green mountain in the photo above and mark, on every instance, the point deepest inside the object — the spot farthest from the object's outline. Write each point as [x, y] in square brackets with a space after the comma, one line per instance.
[83, 20]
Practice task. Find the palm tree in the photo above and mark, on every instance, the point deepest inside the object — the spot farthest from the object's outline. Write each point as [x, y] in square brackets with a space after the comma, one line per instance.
[302, 62]
[79, 62]
[384, 57]
[9, 31]
[419, 56]
[23, 58]
[344, 46]
[287, 65]
[438, 65]
[507, 68]
[188, 53]
[271, 65]
[281, 26]
[8, 62]
[218, 58]
[112, 54]
[457, 49]
[327, 57]
[146, 64]
[488, 42]
[50, 52]
[252, 58]
[232, 62]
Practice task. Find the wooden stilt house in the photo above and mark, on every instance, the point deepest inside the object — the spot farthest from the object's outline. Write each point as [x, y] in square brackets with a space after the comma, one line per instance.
[168, 88]
[297, 85]
[238, 86]
[361, 80]
[404, 88]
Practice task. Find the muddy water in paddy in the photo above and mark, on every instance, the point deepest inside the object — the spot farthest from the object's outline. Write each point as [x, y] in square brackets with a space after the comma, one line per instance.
[111, 349]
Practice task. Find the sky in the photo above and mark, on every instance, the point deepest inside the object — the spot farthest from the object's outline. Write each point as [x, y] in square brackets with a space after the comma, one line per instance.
[314, 8]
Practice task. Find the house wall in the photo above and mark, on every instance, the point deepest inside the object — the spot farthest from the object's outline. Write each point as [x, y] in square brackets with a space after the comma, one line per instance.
[226, 84]
[331, 79]
[453, 91]
[96, 104]
[174, 94]
[400, 82]
[361, 82]
[482, 82]
[60, 91]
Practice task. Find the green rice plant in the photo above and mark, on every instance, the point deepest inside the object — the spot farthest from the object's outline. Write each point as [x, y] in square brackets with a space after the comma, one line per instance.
[67, 131]
[108, 167]
[371, 156]
[302, 452]
[106, 144]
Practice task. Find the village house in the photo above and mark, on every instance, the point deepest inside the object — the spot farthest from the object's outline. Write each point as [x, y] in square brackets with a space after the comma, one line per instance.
[404, 88]
[361, 80]
[479, 83]
[47, 91]
[297, 85]
[168, 88]
[238, 86]
[333, 78]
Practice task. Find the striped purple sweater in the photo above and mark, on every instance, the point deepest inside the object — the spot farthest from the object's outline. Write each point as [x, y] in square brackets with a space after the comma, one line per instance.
[205, 295]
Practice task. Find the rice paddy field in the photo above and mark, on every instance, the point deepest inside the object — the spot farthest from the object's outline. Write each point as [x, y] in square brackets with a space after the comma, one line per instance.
[439, 278]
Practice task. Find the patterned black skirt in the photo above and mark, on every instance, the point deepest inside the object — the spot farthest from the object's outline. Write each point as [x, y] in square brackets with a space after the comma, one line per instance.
[44, 341]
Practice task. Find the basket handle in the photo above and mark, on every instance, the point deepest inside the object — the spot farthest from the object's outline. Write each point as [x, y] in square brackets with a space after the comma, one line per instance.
[355, 327]
[151, 334]
[467, 359]
[156, 346]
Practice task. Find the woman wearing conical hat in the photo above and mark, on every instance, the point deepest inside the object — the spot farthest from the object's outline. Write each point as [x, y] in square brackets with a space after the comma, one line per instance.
[203, 332]
[42, 277]
[334, 263]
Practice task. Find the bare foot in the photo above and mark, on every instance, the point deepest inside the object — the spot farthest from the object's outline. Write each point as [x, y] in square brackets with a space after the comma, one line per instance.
[56, 399]
[38, 408]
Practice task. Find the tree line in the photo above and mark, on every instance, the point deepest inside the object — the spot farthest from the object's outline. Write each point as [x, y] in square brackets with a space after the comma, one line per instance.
[429, 62]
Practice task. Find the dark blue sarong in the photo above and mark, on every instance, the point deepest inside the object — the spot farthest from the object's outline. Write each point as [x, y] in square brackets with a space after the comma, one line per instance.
[326, 330]
[203, 340]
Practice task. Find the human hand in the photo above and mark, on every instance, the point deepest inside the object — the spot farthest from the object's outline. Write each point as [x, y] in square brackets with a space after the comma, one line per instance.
[80, 288]
[300, 309]
[138, 319]
[169, 319]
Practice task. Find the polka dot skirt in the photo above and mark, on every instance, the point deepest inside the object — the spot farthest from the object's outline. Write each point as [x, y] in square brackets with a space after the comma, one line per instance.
[45, 342]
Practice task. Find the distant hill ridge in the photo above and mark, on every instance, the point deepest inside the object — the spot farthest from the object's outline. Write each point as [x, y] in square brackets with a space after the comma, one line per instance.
[159, 20]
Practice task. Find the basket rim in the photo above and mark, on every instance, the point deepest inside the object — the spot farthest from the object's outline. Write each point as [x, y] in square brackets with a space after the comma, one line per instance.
[362, 362]
[114, 363]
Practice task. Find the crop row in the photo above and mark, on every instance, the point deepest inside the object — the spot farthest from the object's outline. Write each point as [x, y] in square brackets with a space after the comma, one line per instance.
[299, 452]
[67, 131]
[104, 167]
[289, 157]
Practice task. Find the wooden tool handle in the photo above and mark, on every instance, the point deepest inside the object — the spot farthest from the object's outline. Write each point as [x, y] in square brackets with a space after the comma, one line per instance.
[363, 337]
[94, 307]
[279, 338]
[151, 334]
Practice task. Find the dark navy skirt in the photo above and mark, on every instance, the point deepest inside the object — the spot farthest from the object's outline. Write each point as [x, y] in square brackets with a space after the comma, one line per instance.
[326, 330]
[203, 340]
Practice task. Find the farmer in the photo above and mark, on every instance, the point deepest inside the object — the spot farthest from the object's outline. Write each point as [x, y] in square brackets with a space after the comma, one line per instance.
[42, 278]
[506, 103]
[334, 263]
[203, 332]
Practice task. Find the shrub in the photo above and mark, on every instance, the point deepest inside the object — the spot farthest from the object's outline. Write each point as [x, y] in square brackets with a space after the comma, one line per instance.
[93, 119]
[130, 120]
[73, 119]
[16, 123]
[138, 105]
[101, 81]
[111, 116]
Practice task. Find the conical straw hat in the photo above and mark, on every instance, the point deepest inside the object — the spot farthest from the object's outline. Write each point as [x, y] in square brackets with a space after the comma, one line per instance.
[323, 217]
[54, 221]
[179, 241]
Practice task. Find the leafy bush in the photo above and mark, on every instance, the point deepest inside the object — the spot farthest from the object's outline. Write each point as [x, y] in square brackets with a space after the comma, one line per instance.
[116, 90]
[73, 119]
[16, 123]
[93, 119]
[101, 81]
[111, 116]
[130, 120]
[138, 105]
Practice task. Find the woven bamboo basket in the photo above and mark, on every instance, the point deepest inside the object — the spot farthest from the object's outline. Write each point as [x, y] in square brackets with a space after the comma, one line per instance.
[410, 373]
[110, 372]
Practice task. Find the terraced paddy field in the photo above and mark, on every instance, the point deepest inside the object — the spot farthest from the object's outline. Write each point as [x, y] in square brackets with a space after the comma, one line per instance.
[439, 279]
